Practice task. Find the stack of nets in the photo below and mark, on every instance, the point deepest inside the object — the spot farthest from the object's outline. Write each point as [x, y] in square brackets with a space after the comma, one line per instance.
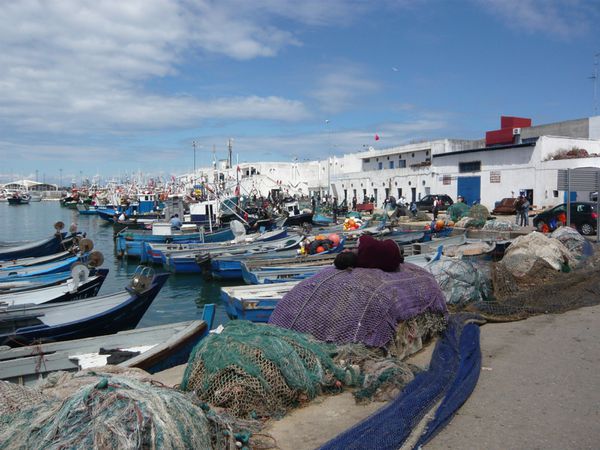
[359, 305]
[108, 411]
[500, 225]
[579, 246]
[457, 211]
[259, 370]
[542, 289]
[460, 281]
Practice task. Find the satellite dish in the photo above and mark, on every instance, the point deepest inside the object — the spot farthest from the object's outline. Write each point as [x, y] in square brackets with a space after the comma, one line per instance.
[58, 226]
[238, 229]
[80, 273]
[95, 259]
[86, 245]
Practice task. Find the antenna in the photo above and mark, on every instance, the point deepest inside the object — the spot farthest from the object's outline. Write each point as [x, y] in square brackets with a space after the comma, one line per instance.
[594, 79]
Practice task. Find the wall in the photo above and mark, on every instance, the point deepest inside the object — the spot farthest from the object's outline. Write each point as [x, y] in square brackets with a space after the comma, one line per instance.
[578, 128]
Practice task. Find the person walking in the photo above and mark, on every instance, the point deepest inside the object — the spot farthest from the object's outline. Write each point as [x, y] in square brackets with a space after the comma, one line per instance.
[525, 212]
[436, 207]
[354, 203]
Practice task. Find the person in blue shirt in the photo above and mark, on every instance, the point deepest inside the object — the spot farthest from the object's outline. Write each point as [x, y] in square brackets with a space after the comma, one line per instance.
[176, 222]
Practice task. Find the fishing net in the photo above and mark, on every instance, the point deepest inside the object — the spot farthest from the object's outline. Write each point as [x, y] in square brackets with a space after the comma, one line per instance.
[500, 225]
[109, 411]
[579, 246]
[358, 305]
[479, 212]
[460, 280]
[457, 211]
[259, 370]
[470, 222]
[542, 290]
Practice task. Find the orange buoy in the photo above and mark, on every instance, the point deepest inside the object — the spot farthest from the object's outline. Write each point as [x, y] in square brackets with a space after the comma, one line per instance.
[320, 237]
[334, 238]
[320, 249]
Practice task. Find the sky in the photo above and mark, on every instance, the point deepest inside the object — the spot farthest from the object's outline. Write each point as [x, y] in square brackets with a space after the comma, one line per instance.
[111, 87]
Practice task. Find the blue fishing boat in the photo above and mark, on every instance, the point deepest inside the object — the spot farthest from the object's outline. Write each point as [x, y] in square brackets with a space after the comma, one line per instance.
[228, 266]
[254, 303]
[186, 261]
[80, 285]
[78, 319]
[55, 244]
[63, 265]
[152, 349]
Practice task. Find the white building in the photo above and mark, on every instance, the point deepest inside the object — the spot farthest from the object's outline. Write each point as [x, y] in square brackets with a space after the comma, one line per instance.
[517, 157]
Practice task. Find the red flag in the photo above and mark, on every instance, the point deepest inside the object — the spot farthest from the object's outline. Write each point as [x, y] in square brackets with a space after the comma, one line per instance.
[376, 137]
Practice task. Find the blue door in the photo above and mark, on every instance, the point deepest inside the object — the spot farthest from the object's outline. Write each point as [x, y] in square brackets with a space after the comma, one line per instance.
[470, 189]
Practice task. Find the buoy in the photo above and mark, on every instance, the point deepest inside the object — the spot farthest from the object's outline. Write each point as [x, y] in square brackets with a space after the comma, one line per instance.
[320, 237]
[334, 238]
[320, 249]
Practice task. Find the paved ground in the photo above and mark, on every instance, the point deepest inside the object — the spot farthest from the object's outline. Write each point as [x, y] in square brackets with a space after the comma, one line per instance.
[540, 387]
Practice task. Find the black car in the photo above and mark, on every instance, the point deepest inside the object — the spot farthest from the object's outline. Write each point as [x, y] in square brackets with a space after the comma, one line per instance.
[583, 217]
[426, 203]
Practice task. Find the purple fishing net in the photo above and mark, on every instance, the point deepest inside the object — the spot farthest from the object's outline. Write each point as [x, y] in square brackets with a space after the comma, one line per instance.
[358, 305]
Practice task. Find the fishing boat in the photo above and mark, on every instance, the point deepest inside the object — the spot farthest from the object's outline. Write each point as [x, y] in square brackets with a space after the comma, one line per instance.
[130, 243]
[298, 271]
[34, 197]
[186, 261]
[87, 210]
[105, 314]
[152, 349]
[95, 259]
[19, 198]
[36, 282]
[255, 303]
[55, 244]
[80, 285]
[227, 265]
[26, 262]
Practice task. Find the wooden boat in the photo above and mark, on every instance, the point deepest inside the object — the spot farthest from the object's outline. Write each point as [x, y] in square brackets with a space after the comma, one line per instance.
[161, 347]
[55, 244]
[255, 303]
[156, 253]
[130, 243]
[228, 266]
[80, 285]
[63, 265]
[278, 274]
[187, 261]
[33, 282]
[27, 262]
[106, 314]
[87, 210]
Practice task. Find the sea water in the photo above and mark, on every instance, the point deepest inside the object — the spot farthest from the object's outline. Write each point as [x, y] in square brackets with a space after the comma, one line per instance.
[180, 299]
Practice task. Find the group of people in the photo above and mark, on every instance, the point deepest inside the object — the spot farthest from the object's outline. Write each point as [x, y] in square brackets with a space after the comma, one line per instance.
[522, 205]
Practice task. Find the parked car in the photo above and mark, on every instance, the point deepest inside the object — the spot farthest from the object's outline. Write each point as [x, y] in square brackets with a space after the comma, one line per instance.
[426, 203]
[583, 217]
[505, 206]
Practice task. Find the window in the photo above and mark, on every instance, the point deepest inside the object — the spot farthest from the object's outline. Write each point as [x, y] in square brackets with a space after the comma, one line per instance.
[380, 165]
[471, 166]
[402, 164]
[367, 160]
[391, 164]
[555, 194]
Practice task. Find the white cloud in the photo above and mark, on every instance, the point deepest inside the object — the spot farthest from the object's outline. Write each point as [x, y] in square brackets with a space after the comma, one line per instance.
[341, 87]
[79, 66]
[557, 18]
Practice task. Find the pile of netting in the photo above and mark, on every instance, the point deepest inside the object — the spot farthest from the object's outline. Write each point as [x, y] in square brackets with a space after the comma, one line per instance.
[460, 280]
[500, 225]
[259, 370]
[109, 411]
[544, 288]
[578, 245]
[359, 305]
[457, 211]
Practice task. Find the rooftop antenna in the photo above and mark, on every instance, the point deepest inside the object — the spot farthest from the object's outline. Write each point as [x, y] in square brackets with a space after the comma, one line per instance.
[594, 79]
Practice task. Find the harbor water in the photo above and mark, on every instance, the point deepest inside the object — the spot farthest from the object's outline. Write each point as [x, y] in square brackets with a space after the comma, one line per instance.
[182, 297]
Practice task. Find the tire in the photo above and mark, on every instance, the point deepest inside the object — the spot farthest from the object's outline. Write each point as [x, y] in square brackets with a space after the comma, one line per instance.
[586, 229]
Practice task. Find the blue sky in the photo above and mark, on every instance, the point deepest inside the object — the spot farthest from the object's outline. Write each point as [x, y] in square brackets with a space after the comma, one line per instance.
[113, 87]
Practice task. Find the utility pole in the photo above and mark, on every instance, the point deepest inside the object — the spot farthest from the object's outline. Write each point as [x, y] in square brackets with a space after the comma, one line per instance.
[230, 148]
[194, 143]
[594, 79]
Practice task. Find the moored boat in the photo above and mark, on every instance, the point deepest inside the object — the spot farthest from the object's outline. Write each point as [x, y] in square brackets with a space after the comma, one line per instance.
[152, 349]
